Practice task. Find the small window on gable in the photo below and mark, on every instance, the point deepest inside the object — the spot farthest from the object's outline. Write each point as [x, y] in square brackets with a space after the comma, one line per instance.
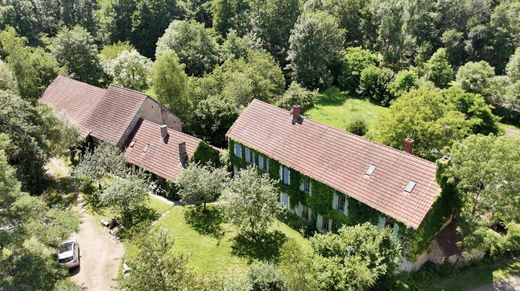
[370, 170]
[133, 143]
[146, 146]
[409, 187]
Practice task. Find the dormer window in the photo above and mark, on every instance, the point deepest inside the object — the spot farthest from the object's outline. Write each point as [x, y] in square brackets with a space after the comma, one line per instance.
[370, 170]
[409, 187]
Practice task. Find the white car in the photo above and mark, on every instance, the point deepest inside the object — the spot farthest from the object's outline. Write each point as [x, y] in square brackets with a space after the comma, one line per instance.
[68, 254]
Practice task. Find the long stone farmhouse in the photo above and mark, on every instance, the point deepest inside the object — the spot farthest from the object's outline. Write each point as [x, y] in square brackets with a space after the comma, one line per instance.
[149, 135]
[330, 177]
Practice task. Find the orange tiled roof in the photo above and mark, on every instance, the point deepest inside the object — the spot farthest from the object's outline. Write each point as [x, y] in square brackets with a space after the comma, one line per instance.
[161, 158]
[340, 160]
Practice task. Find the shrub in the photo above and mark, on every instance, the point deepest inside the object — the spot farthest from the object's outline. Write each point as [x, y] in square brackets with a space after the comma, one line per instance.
[373, 84]
[358, 126]
[297, 95]
[353, 62]
[404, 81]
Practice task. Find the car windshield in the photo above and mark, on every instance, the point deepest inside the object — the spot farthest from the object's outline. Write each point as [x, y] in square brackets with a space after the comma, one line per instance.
[66, 247]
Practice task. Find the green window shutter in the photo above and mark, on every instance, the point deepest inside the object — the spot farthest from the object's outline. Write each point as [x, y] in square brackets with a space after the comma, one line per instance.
[334, 200]
[319, 222]
[345, 211]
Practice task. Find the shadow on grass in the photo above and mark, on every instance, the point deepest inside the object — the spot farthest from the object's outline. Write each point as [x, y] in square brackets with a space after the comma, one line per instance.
[61, 191]
[265, 247]
[206, 222]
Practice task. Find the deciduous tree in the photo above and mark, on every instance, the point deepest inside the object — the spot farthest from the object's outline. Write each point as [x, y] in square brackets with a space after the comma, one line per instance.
[438, 69]
[476, 77]
[353, 62]
[130, 70]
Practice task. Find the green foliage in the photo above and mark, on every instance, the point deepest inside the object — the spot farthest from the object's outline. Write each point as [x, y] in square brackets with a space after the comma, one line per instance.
[373, 84]
[76, 52]
[353, 62]
[475, 108]
[201, 183]
[272, 23]
[157, 267]
[358, 127]
[266, 276]
[403, 82]
[485, 171]
[357, 258]
[169, 83]
[105, 159]
[32, 68]
[314, 47]
[206, 154]
[513, 66]
[423, 115]
[129, 69]
[7, 80]
[251, 202]
[211, 119]
[195, 46]
[297, 95]
[231, 14]
[36, 134]
[438, 69]
[111, 51]
[476, 77]
[235, 47]
[296, 266]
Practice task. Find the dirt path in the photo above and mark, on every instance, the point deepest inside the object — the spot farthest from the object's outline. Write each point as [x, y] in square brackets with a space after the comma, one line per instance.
[100, 253]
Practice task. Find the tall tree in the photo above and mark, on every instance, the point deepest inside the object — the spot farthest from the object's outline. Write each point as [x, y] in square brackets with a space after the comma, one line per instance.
[356, 258]
[195, 46]
[201, 183]
[476, 77]
[76, 52]
[315, 44]
[231, 14]
[251, 202]
[169, 83]
[513, 66]
[438, 69]
[129, 69]
[423, 115]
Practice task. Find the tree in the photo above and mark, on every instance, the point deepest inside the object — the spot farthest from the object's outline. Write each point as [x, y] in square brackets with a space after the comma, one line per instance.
[513, 66]
[36, 135]
[373, 84]
[356, 258]
[358, 126]
[424, 116]
[475, 108]
[403, 82]
[315, 44]
[251, 201]
[438, 69]
[231, 14]
[149, 20]
[130, 70]
[273, 22]
[111, 51]
[169, 83]
[75, 50]
[33, 68]
[297, 95]
[485, 171]
[475, 77]
[235, 47]
[349, 14]
[201, 183]
[7, 80]
[297, 267]
[506, 32]
[353, 62]
[266, 276]
[195, 46]
[104, 160]
[211, 119]
[157, 267]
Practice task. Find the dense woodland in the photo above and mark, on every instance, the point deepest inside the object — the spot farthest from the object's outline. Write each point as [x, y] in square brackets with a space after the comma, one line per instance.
[449, 72]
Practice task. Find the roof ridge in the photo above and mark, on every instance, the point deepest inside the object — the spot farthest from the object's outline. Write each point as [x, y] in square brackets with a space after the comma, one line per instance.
[171, 129]
[77, 81]
[402, 153]
[128, 89]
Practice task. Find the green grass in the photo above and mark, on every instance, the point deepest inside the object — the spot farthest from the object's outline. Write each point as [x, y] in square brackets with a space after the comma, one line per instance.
[337, 109]
[159, 206]
[212, 245]
[510, 129]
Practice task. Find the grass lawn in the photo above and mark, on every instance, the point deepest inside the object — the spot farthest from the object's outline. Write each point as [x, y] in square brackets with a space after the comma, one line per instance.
[211, 244]
[336, 109]
[510, 129]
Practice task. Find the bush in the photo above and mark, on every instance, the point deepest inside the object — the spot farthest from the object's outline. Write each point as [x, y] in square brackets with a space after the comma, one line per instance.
[297, 95]
[353, 62]
[374, 82]
[404, 81]
[358, 126]
[266, 276]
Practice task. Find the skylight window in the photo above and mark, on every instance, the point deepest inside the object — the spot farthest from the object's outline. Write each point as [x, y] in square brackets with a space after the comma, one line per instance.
[146, 146]
[133, 143]
[370, 170]
[409, 186]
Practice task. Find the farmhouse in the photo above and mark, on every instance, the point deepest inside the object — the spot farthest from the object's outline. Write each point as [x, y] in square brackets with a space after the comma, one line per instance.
[146, 131]
[329, 177]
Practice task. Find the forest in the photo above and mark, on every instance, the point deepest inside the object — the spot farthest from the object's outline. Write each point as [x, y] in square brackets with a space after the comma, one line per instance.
[444, 73]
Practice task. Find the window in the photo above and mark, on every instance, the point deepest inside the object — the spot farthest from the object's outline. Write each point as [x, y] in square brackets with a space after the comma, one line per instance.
[370, 170]
[238, 150]
[305, 212]
[325, 223]
[305, 186]
[263, 163]
[409, 187]
[285, 175]
[284, 200]
[247, 153]
[341, 203]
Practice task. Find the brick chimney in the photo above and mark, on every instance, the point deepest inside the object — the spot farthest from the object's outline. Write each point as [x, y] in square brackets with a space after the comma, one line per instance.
[183, 155]
[295, 112]
[408, 145]
[164, 132]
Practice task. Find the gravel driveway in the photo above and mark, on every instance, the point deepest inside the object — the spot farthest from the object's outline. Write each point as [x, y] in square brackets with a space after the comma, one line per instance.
[100, 254]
